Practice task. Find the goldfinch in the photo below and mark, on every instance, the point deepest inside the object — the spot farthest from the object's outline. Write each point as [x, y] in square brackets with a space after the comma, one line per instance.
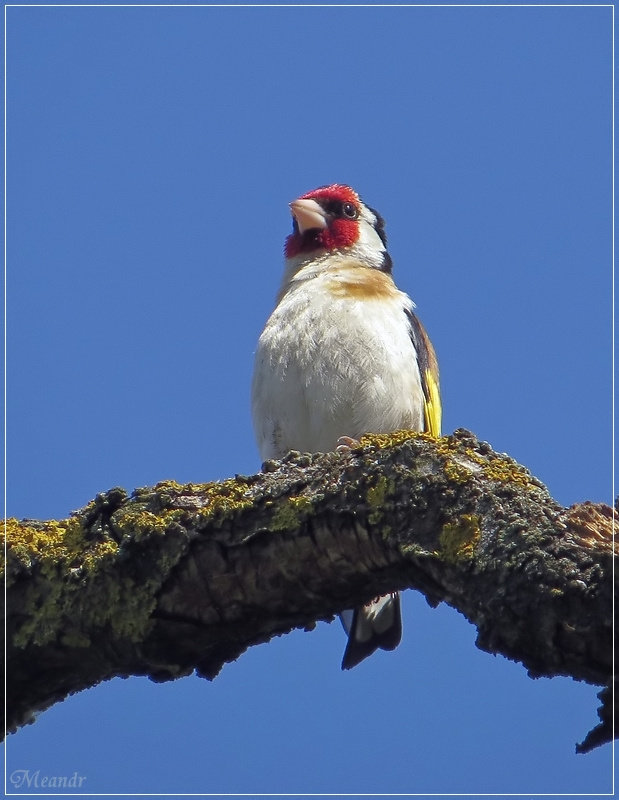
[341, 355]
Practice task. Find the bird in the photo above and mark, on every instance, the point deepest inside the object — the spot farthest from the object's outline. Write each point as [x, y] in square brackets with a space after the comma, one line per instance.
[341, 355]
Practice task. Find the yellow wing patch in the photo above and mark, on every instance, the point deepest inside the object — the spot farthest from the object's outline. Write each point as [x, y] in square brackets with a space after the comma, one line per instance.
[432, 408]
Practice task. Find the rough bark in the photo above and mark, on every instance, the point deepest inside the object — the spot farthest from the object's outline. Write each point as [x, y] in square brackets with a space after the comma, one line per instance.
[177, 578]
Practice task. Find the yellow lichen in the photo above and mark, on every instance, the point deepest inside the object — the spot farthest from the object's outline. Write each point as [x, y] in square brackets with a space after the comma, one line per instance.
[499, 468]
[456, 472]
[173, 486]
[458, 539]
[225, 497]
[34, 541]
[383, 440]
[474, 456]
[55, 541]
[507, 471]
[459, 463]
[445, 448]
[137, 522]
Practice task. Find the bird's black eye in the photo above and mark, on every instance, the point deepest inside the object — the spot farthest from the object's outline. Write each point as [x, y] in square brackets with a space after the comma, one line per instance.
[350, 210]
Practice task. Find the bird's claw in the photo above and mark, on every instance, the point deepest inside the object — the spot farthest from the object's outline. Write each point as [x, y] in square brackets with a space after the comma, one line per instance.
[346, 445]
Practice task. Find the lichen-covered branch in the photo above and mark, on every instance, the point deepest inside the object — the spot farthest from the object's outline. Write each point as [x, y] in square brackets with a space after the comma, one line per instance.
[179, 578]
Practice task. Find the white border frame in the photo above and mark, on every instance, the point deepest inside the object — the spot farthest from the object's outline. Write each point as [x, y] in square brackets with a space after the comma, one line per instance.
[312, 5]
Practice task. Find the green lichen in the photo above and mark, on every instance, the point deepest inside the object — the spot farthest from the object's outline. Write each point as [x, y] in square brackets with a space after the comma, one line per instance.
[76, 580]
[75, 639]
[416, 550]
[41, 618]
[77, 586]
[375, 496]
[290, 513]
[133, 605]
[458, 539]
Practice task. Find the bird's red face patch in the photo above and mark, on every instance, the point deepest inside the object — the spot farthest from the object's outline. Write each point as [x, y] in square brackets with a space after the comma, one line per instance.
[341, 206]
[337, 191]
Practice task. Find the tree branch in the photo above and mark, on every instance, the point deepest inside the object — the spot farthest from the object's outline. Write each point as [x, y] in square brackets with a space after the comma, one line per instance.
[177, 578]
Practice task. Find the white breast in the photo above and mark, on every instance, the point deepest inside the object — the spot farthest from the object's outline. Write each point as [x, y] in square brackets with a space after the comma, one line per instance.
[333, 364]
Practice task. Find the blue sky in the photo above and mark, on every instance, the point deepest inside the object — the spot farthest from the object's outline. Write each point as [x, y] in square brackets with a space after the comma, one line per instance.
[151, 155]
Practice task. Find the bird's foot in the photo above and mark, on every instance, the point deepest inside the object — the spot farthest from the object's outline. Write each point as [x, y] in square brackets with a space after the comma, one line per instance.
[346, 445]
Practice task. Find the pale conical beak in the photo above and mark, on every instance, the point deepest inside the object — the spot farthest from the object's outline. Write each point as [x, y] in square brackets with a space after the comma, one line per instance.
[308, 214]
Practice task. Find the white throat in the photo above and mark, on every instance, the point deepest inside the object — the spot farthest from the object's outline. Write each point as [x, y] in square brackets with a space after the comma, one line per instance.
[368, 250]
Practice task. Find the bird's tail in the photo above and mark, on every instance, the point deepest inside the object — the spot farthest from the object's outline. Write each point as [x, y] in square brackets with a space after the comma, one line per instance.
[376, 624]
